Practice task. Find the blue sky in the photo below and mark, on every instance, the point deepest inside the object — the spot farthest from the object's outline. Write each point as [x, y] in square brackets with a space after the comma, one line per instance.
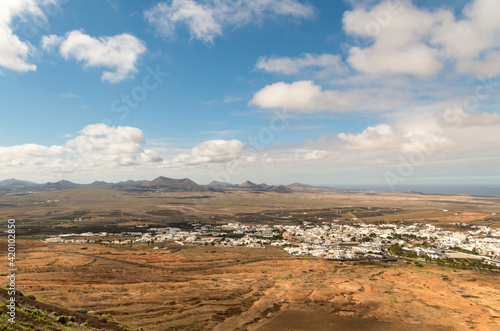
[277, 91]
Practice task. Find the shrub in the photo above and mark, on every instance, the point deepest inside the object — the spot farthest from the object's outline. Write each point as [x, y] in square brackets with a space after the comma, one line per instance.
[32, 311]
[62, 319]
[7, 302]
[103, 318]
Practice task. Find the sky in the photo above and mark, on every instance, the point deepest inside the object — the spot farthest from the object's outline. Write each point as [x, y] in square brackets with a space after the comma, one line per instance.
[347, 92]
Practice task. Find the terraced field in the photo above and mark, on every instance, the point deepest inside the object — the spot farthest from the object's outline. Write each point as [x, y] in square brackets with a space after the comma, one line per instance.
[206, 288]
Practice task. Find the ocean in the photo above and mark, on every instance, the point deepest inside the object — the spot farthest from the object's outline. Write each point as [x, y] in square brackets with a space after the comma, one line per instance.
[476, 190]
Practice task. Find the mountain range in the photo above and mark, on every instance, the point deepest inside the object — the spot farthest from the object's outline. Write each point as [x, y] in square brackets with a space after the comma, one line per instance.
[16, 183]
[159, 182]
[61, 185]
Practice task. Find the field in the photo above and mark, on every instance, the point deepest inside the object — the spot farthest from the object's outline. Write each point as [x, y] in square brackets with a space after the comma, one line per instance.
[255, 289]
[52, 212]
[213, 288]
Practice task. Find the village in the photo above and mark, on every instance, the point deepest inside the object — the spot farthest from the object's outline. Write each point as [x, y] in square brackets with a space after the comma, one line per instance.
[356, 241]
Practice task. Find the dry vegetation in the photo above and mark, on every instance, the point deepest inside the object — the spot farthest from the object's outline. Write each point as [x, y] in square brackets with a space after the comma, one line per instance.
[168, 294]
[198, 288]
[57, 209]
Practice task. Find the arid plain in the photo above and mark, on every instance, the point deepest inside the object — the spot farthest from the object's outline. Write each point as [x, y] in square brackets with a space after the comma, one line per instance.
[200, 288]
[117, 204]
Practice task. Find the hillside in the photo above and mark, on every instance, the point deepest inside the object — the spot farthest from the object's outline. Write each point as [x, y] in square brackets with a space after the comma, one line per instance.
[215, 183]
[251, 185]
[16, 183]
[297, 185]
[221, 288]
[280, 189]
[36, 315]
[248, 184]
[161, 181]
[60, 185]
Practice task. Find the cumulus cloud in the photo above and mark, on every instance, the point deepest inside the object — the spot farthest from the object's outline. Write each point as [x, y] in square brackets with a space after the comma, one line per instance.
[50, 42]
[118, 53]
[96, 147]
[451, 128]
[457, 117]
[14, 53]
[409, 40]
[317, 155]
[99, 148]
[399, 34]
[32, 150]
[474, 40]
[103, 139]
[419, 135]
[211, 151]
[289, 66]
[99, 144]
[303, 96]
[377, 137]
[208, 19]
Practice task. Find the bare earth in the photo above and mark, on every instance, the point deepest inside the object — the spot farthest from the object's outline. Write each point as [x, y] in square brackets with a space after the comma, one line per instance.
[277, 292]
[203, 288]
[101, 200]
[54, 212]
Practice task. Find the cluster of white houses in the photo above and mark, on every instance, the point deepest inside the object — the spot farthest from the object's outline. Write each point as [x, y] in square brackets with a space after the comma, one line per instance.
[329, 240]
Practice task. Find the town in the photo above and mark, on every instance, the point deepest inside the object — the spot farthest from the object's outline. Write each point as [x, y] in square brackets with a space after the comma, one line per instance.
[355, 241]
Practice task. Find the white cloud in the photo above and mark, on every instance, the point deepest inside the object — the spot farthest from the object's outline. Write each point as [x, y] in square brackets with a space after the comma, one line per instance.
[208, 19]
[457, 117]
[289, 66]
[118, 53]
[405, 43]
[211, 151]
[317, 155]
[399, 39]
[304, 96]
[32, 150]
[419, 42]
[50, 42]
[31, 158]
[99, 144]
[451, 150]
[96, 148]
[199, 18]
[378, 137]
[474, 40]
[439, 136]
[14, 53]
[150, 156]
[430, 133]
[410, 136]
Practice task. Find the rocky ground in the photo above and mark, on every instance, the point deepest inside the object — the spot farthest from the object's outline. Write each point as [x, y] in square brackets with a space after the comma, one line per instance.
[203, 288]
